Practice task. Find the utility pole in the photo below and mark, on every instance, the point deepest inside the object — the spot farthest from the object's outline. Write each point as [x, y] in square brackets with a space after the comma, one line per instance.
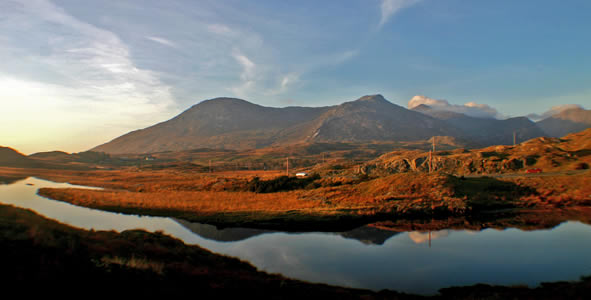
[514, 139]
[433, 144]
[287, 170]
[210, 166]
[430, 161]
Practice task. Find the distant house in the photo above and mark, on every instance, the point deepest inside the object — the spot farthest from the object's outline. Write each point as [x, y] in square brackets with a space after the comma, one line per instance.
[150, 158]
[302, 174]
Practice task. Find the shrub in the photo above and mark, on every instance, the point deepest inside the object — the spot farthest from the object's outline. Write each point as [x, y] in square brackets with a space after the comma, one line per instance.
[283, 183]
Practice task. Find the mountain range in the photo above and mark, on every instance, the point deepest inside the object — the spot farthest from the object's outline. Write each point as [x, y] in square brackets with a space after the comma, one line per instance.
[229, 123]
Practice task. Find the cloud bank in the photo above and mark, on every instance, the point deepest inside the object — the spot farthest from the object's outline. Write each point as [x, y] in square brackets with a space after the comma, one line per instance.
[472, 109]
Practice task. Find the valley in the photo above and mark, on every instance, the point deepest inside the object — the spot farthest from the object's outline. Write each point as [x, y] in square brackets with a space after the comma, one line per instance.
[363, 175]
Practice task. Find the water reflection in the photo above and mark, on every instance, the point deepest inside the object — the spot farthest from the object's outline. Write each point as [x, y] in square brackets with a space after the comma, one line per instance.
[424, 237]
[367, 257]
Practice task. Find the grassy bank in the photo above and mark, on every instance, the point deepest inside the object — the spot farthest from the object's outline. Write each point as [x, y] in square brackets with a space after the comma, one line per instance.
[57, 259]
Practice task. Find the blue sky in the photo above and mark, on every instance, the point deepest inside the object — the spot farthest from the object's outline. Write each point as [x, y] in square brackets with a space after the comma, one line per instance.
[74, 74]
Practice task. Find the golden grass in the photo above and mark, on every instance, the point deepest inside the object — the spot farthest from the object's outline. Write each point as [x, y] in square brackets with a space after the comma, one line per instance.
[204, 194]
[198, 202]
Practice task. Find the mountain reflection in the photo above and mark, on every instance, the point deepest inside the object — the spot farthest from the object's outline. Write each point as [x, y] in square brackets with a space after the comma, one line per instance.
[423, 237]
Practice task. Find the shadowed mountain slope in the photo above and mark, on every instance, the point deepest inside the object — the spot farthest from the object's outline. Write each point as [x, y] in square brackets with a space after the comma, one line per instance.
[565, 122]
[486, 131]
[217, 123]
[373, 118]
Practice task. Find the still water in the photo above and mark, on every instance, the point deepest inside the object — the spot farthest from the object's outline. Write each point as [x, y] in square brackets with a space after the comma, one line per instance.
[362, 258]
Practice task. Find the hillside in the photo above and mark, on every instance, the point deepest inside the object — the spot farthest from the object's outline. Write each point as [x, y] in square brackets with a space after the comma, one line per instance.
[565, 122]
[572, 152]
[12, 158]
[227, 123]
[217, 123]
[486, 131]
[373, 118]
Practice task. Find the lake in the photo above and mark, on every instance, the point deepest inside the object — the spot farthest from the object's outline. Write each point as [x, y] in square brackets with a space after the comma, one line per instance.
[367, 257]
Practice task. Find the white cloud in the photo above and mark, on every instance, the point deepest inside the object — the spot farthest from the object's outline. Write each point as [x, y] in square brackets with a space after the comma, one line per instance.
[248, 76]
[391, 7]
[289, 79]
[220, 29]
[286, 82]
[472, 109]
[162, 41]
[248, 67]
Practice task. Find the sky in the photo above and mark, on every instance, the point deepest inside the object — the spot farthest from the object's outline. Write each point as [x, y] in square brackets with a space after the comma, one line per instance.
[76, 74]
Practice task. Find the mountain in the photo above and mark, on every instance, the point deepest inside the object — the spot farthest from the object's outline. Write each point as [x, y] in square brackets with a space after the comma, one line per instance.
[237, 124]
[54, 156]
[373, 118]
[486, 131]
[217, 123]
[565, 122]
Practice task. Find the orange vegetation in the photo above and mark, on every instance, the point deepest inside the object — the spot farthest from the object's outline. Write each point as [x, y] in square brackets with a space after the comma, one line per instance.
[399, 194]
[168, 192]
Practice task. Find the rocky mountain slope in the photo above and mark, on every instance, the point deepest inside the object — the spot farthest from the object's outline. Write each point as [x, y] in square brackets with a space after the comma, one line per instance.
[565, 122]
[571, 152]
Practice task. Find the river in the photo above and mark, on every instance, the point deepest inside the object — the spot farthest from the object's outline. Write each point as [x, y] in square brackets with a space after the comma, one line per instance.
[413, 262]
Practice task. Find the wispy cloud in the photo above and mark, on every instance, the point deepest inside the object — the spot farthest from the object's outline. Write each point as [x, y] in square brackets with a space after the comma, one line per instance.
[247, 76]
[162, 41]
[389, 8]
[220, 29]
[344, 56]
[98, 80]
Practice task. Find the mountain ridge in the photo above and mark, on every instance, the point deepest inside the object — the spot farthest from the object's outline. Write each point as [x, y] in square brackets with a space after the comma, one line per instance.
[230, 123]
[566, 122]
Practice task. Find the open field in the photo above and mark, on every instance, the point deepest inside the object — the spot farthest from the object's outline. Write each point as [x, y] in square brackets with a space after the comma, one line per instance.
[223, 198]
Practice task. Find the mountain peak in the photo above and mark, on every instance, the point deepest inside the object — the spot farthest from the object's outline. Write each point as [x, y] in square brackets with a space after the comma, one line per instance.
[226, 100]
[422, 108]
[373, 98]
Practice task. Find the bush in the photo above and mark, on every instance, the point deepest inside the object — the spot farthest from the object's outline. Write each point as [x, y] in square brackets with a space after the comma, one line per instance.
[283, 183]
